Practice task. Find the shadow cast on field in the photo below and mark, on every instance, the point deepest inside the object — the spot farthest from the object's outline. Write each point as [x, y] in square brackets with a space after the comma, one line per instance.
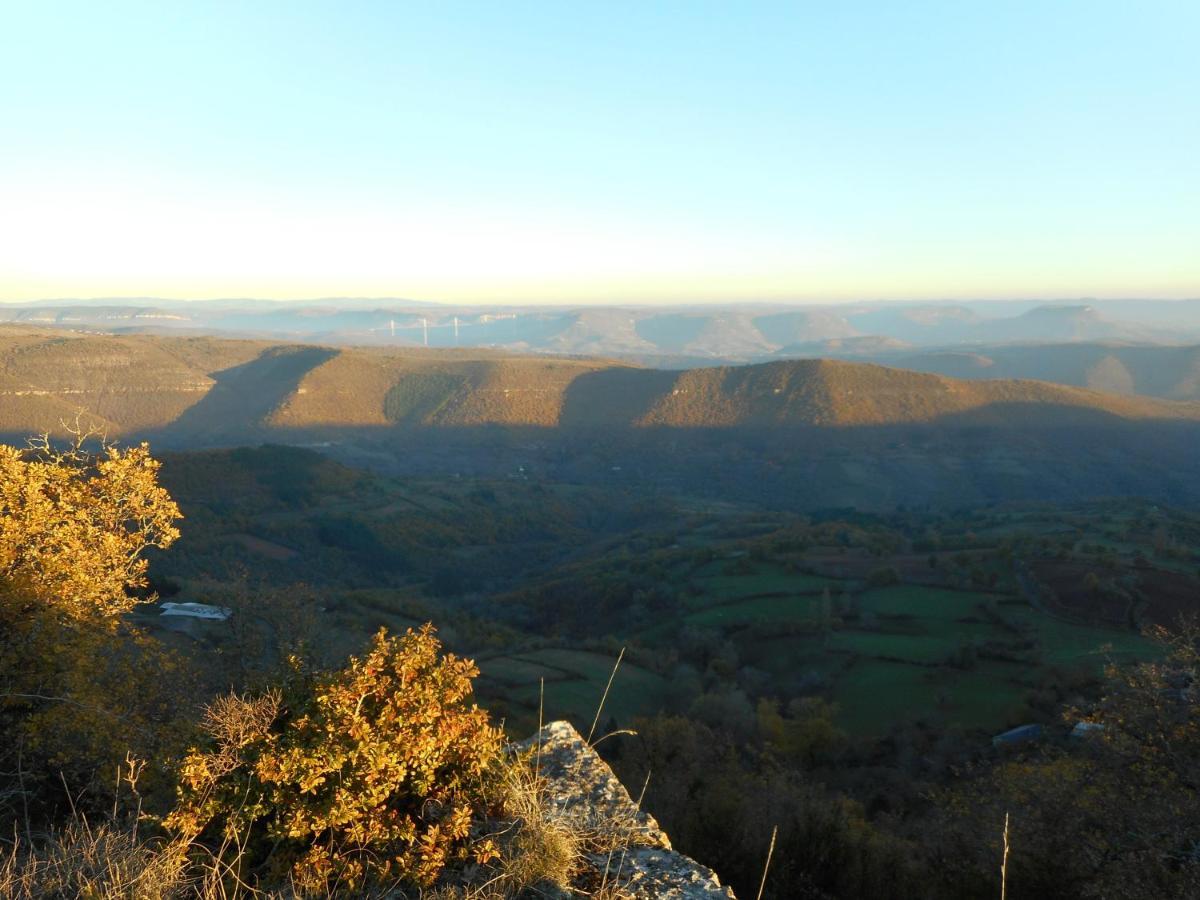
[244, 396]
[617, 397]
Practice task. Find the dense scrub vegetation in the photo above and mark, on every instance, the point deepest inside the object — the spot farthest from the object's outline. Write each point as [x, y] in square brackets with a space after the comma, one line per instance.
[374, 771]
[381, 774]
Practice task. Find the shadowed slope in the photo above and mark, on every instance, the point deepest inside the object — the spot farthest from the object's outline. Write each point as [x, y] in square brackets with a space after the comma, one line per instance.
[242, 397]
[367, 388]
[118, 384]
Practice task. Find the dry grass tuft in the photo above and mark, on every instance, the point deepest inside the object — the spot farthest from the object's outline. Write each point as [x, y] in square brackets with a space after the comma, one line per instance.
[540, 847]
[102, 863]
[543, 854]
[545, 849]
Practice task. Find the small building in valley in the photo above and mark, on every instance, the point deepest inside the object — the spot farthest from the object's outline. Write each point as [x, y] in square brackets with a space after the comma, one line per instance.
[1022, 734]
[197, 611]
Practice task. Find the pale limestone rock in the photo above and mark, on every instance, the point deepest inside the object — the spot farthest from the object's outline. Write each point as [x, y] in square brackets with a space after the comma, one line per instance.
[641, 863]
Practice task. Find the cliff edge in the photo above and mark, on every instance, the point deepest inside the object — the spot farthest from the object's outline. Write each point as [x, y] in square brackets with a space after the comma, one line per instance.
[579, 786]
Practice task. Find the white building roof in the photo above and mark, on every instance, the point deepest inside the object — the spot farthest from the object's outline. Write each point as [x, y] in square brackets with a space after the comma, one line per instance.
[197, 611]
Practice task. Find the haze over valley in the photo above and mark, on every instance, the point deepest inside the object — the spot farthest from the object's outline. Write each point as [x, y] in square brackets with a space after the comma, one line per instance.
[679, 334]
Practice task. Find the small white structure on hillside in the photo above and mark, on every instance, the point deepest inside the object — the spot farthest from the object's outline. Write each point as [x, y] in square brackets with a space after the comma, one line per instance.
[197, 611]
[1083, 729]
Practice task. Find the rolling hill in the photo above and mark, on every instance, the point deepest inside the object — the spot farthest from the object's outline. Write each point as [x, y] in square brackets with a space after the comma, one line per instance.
[800, 434]
[231, 390]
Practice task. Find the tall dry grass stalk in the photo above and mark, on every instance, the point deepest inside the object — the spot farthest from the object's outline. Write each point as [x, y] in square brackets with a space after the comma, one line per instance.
[549, 845]
[604, 696]
[1004, 863]
[762, 885]
[537, 762]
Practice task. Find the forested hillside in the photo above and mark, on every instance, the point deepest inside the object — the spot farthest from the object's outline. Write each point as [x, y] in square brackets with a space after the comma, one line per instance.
[219, 389]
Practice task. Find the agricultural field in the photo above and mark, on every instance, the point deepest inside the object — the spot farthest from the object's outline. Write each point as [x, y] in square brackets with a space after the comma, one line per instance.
[895, 654]
[570, 684]
[976, 620]
[944, 621]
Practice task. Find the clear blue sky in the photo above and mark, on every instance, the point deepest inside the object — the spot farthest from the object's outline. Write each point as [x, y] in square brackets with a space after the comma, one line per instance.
[609, 151]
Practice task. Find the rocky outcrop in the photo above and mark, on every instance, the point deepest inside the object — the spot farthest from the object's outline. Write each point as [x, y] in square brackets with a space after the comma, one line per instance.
[580, 786]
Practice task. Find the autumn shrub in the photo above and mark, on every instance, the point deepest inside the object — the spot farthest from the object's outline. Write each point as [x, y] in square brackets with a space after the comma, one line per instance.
[78, 685]
[74, 527]
[378, 772]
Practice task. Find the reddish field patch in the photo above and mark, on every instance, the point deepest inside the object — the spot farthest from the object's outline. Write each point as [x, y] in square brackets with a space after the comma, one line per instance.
[1167, 593]
[266, 548]
[1067, 578]
[1170, 595]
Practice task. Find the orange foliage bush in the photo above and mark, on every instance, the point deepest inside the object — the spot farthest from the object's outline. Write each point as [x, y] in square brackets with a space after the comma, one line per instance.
[74, 527]
[377, 771]
[78, 685]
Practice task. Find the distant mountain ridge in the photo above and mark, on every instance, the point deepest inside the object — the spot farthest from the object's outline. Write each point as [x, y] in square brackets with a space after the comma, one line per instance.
[1154, 371]
[733, 333]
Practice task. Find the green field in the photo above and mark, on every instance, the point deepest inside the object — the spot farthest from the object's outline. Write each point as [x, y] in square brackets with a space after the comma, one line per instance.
[890, 658]
[574, 684]
[925, 603]
[756, 609]
[875, 695]
[766, 578]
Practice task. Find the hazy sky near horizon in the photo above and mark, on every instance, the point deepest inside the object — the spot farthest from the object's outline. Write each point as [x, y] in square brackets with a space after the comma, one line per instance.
[624, 151]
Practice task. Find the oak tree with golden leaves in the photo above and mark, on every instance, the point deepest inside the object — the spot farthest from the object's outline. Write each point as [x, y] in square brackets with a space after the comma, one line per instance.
[78, 685]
